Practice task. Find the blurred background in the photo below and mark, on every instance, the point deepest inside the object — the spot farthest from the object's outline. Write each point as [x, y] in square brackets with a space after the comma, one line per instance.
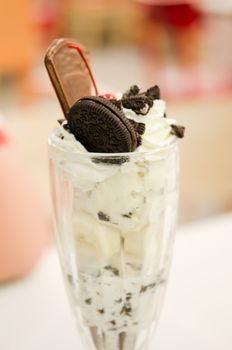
[183, 46]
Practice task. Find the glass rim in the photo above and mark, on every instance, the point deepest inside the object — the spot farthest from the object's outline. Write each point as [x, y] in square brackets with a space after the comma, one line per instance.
[54, 145]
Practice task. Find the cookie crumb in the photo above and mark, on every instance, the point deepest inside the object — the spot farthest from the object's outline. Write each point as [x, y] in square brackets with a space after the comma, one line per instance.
[178, 130]
[88, 301]
[101, 311]
[103, 216]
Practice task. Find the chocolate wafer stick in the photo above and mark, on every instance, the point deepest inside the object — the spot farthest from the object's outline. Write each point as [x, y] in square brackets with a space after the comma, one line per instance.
[68, 72]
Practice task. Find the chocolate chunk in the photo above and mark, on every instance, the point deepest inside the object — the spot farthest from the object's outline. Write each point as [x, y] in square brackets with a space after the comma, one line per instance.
[126, 310]
[88, 301]
[114, 270]
[101, 311]
[178, 130]
[113, 322]
[148, 286]
[128, 215]
[101, 127]
[128, 296]
[103, 216]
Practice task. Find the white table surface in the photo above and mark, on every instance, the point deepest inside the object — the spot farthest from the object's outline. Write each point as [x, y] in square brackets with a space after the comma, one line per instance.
[197, 315]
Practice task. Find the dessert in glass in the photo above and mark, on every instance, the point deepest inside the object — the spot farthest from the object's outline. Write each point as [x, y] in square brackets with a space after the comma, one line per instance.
[114, 176]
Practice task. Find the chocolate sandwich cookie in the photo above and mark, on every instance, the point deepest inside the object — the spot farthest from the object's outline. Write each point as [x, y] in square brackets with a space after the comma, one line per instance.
[102, 127]
[68, 72]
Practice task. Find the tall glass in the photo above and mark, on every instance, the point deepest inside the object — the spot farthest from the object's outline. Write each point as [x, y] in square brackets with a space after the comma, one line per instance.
[115, 219]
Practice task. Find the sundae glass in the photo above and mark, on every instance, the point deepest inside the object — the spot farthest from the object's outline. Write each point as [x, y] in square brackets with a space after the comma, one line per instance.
[114, 178]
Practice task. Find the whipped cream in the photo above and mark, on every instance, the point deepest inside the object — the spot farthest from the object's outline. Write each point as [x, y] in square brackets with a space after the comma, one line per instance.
[158, 131]
[85, 174]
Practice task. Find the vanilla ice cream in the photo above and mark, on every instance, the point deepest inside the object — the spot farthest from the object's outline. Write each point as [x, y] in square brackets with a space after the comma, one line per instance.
[123, 217]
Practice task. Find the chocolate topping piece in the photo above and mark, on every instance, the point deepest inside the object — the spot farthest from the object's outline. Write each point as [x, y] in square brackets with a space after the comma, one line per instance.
[140, 104]
[101, 127]
[65, 126]
[153, 92]
[67, 72]
[60, 121]
[134, 90]
[139, 127]
[178, 130]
